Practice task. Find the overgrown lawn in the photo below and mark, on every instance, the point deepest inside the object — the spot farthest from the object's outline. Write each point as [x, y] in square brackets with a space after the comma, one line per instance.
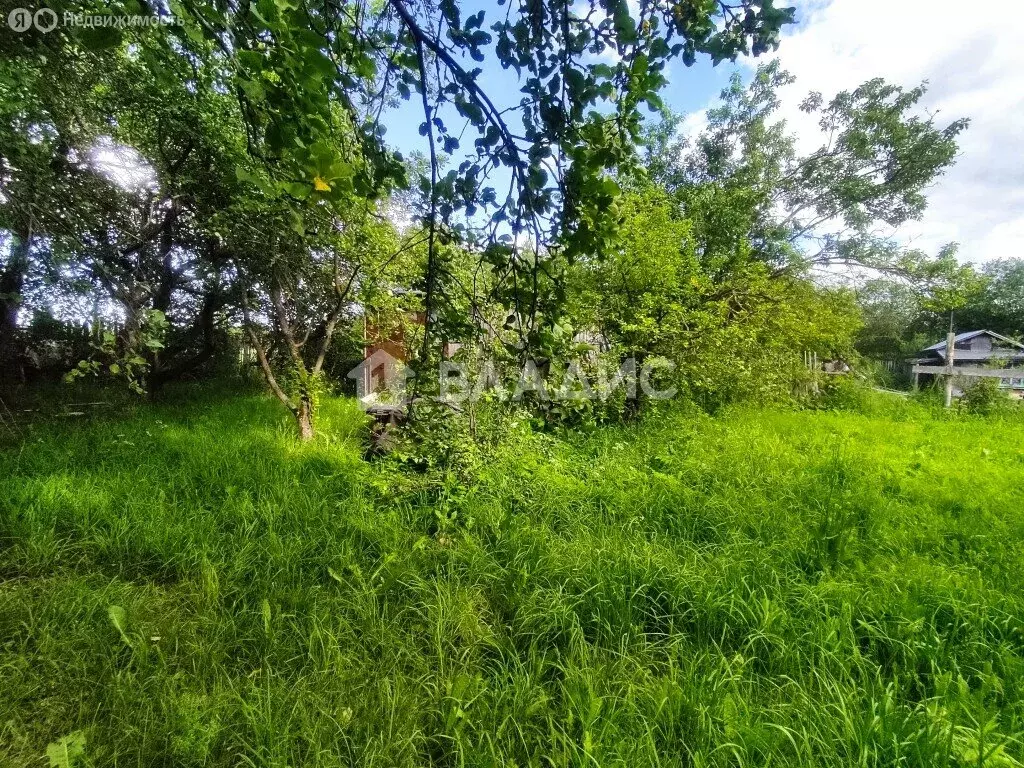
[187, 585]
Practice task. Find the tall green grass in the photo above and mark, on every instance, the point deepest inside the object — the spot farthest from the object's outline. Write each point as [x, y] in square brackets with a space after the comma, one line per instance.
[187, 585]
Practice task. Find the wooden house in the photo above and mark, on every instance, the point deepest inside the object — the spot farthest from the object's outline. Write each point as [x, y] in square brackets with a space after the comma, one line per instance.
[981, 353]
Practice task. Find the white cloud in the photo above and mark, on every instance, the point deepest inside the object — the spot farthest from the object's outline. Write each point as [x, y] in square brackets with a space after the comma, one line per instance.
[973, 60]
[694, 124]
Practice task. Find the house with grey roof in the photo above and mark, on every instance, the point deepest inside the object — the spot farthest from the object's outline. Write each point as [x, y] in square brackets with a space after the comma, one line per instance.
[976, 354]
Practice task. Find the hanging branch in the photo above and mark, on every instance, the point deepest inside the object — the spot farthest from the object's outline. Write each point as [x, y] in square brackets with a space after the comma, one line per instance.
[432, 221]
[335, 315]
[261, 356]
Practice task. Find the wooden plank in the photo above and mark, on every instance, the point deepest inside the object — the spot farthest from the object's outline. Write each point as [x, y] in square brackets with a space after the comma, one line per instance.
[990, 373]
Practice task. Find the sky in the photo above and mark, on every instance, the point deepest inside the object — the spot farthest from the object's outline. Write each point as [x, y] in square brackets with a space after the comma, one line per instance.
[972, 57]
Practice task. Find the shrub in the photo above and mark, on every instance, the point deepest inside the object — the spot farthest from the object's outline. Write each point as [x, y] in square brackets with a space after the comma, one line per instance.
[843, 393]
[984, 398]
[846, 393]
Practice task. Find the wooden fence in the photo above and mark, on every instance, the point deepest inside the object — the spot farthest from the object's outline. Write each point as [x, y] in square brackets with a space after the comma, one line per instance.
[985, 373]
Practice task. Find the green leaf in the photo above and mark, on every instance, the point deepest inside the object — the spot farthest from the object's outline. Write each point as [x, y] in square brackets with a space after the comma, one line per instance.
[471, 111]
[260, 183]
[267, 615]
[252, 89]
[296, 222]
[100, 38]
[243, 175]
[297, 189]
[267, 11]
[659, 48]
[64, 752]
[310, 38]
[322, 63]
[251, 59]
[364, 67]
[340, 170]
[119, 619]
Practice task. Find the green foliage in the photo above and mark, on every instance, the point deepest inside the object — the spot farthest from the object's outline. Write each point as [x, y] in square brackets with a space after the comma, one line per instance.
[65, 752]
[744, 184]
[713, 272]
[890, 310]
[859, 395]
[826, 588]
[302, 85]
[641, 294]
[195, 727]
[732, 335]
[272, 193]
[844, 393]
[945, 284]
[984, 397]
[123, 358]
[903, 315]
[1000, 306]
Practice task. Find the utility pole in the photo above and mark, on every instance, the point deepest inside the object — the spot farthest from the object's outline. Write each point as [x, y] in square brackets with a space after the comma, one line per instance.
[950, 350]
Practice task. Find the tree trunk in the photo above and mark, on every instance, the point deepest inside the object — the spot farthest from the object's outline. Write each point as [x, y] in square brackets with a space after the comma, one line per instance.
[304, 415]
[633, 407]
[162, 372]
[12, 281]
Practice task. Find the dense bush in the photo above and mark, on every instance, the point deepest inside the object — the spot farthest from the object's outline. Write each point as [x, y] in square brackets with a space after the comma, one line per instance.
[984, 397]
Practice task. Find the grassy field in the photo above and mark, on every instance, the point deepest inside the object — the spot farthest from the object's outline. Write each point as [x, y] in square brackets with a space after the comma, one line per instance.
[186, 585]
